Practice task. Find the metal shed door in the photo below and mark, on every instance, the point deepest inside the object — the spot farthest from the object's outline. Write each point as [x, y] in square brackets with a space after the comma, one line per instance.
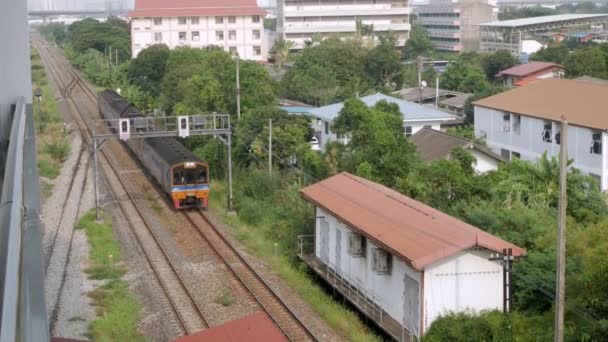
[338, 249]
[324, 241]
[411, 306]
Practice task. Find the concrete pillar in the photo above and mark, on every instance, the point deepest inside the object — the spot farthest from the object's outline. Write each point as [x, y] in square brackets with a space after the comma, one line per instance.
[15, 76]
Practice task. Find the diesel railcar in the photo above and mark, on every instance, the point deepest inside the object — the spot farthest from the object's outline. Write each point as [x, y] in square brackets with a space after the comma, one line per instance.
[182, 175]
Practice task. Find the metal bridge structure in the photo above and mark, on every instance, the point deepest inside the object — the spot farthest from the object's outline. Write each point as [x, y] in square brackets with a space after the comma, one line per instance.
[45, 15]
[22, 304]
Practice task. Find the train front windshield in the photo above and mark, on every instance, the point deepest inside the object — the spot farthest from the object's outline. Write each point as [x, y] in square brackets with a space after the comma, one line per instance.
[183, 175]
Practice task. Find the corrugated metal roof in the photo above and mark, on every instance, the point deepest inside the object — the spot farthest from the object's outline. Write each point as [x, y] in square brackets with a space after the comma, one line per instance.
[432, 145]
[411, 111]
[528, 68]
[412, 230]
[545, 19]
[254, 328]
[204, 8]
[582, 103]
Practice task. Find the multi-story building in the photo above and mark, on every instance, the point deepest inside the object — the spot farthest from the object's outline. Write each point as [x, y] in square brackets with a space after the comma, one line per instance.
[234, 25]
[525, 123]
[299, 20]
[452, 24]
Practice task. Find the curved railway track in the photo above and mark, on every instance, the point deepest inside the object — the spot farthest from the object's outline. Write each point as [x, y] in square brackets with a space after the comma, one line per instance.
[286, 319]
[185, 307]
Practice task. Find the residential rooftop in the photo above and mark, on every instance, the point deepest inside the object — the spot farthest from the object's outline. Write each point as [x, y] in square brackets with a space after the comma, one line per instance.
[419, 234]
[582, 103]
[410, 110]
[433, 145]
[529, 68]
[188, 8]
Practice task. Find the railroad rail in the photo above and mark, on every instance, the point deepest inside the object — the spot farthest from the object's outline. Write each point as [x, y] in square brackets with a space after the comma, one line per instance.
[276, 308]
[189, 314]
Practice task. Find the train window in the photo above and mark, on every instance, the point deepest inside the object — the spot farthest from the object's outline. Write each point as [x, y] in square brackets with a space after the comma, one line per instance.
[124, 128]
[202, 176]
[190, 177]
[184, 123]
[178, 178]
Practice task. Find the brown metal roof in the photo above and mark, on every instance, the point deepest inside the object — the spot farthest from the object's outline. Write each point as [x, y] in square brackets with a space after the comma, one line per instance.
[528, 69]
[582, 103]
[254, 328]
[432, 145]
[203, 8]
[416, 232]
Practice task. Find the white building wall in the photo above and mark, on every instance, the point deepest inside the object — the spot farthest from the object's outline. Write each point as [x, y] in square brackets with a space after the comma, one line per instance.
[485, 163]
[466, 281]
[501, 138]
[143, 33]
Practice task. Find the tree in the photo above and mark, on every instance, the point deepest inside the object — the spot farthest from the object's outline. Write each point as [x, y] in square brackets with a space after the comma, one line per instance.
[556, 53]
[383, 63]
[92, 34]
[586, 61]
[418, 43]
[280, 51]
[317, 85]
[495, 62]
[148, 69]
[465, 77]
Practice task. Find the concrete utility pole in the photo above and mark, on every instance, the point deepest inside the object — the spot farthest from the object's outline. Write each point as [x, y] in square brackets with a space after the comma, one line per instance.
[437, 92]
[270, 147]
[561, 236]
[238, 87]
[419, 64]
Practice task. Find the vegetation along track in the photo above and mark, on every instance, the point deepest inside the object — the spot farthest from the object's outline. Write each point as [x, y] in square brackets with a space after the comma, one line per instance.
[275, 307]
[182, 302]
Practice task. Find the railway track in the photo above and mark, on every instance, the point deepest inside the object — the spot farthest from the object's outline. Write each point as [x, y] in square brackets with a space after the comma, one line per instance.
[185, 307]
[287, 321]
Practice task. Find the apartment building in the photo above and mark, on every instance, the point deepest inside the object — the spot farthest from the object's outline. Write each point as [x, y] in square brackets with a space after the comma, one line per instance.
[525, 123]
[234, 25]
[452, 24]
[299, 20]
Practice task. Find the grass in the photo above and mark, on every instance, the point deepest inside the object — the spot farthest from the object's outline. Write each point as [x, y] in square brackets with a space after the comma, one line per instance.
[225, 298]
[255, 237]
[48, 168]
[117, 309]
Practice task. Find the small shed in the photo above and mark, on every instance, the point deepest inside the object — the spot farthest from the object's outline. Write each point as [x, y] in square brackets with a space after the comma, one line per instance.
[399, 261]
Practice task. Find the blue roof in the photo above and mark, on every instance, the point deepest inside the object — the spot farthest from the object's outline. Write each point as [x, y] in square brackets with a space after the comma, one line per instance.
[581, 34]
[410, 110]
[297, 109]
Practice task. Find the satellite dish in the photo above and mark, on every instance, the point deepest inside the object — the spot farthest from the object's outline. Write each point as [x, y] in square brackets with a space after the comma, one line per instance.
[423, 84]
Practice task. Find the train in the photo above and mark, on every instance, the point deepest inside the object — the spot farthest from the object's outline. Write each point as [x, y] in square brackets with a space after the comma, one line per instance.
[180, 173]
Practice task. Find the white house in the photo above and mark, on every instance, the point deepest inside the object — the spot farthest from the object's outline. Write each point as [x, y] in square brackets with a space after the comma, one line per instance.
[401, 262]
[415, 117]
[299, 20]
[525, 123]
[234, 25]
[434, 145]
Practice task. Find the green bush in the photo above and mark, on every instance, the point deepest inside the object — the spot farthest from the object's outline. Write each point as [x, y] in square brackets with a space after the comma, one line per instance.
[48, 169]
[250, 210]
[58, 150]
[257, 183]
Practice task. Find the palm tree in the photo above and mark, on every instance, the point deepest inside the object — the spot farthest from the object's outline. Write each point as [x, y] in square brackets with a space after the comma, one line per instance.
[280, 51]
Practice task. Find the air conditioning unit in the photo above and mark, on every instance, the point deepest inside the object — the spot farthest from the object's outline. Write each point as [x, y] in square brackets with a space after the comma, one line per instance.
[381, 261]
[356, 245]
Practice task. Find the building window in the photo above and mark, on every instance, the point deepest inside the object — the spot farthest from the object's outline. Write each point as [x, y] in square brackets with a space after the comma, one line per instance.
[219, 35]
[196, 36]
[232, 35]
[516, 123]
[256, 34]
[158, 36]
[194, 20]
[232, 20]
[427, 126]
[158, 21]
[181, 20]
[356, 245]
[219, 20]
[257, 50]
[326, 128]
[255, 19]
[408, 131]
[506, 154]
[232, 49]
[506, 123]
[596, 143]
[547, 132]
[515, 155]
[382, 261]
[182, 37]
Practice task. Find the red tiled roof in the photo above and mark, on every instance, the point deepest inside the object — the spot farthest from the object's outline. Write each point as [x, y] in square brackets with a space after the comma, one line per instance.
[202, 8]
[528, 68]
[418, 233]
[254, 328]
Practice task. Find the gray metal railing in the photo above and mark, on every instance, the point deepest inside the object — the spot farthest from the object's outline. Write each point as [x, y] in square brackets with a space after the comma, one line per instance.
[22, 304]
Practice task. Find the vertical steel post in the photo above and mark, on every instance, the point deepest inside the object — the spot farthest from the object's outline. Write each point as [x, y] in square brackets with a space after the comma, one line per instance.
[230, 208]
[437, 92]
[238, 87]
[96, 174]
[561, 237]
[270, 147]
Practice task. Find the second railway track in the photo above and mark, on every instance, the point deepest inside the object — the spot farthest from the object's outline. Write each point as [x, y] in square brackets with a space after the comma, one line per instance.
[184, 305]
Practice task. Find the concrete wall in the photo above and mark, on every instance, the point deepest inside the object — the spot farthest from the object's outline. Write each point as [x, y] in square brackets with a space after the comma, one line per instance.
[501, 137]
[143, 34]
[466, 281]
[485, 163]
[473, 13]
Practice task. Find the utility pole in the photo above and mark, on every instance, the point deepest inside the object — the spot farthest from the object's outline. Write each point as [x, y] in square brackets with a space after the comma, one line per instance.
[270, 147]
[238, 87]
[116, 50]
[561, 234]
[437, 92]
[507, 267]
[419, 67]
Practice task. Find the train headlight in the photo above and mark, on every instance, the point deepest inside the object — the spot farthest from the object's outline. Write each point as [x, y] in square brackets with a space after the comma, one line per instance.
[190, 165]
